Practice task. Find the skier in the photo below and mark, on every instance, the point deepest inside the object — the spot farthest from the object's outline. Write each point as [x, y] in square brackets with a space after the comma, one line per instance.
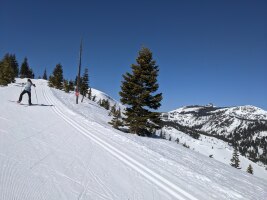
[27, 90]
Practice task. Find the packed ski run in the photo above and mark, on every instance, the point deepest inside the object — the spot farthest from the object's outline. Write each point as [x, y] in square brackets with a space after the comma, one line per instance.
[56, 149]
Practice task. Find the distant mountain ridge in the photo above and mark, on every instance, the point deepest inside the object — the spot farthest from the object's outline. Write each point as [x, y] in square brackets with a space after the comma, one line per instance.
[242, 126]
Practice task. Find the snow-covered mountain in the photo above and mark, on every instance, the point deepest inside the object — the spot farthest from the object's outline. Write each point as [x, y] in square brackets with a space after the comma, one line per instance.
[57, 150]
[245, 126]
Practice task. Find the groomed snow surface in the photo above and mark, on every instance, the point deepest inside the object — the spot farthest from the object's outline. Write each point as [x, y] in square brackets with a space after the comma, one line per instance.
[59, 150]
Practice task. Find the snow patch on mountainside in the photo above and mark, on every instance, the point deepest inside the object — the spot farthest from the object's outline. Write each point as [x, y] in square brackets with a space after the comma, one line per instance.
[216, 148]
[244, 126]
[247, 112]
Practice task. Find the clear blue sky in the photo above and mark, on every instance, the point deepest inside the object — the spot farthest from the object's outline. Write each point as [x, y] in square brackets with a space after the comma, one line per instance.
[207, 51]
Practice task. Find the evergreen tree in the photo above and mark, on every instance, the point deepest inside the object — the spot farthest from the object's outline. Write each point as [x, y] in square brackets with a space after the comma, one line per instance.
[66, 86]
[30, 73]
[5, 73]
[84, 84]
[24, 69]
[8, 69]
[105, 104]
[71, 85]
[94, 98]
[112, 110]
[116, 121]
[250, 169]
[235, 159]
[99, 102]
[14, 65]
[75, 81]
[51, 81]
[45, 75]
[56, 79]
[90, 94]
[119, 112]
[138, 92]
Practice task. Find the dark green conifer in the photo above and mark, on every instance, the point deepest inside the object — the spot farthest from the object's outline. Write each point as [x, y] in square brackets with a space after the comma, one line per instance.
[138, 93]
[71, 85]
[8, 69]
[235, 159]
[99, 102]
[66, 86]
[14, 65]
[45, 75]
[30, 74]
[94, 98]
[90, 94]
[84, 84]
[25, 69]
[56, 79]
[116, 122]
[105, 104]
[51, 81]
[75, 81]
[250, 169]
[6, 72]
[112, 110]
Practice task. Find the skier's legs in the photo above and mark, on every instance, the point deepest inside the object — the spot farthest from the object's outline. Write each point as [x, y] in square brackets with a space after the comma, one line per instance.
[21, 95]
[30, 100]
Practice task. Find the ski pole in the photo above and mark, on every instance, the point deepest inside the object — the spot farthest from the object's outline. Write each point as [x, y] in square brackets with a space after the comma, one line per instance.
[36, 95]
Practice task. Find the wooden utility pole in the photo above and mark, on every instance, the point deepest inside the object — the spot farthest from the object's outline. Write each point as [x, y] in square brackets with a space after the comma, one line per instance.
[78, 77]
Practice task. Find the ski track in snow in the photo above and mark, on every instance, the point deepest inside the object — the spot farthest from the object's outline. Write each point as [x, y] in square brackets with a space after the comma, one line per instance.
[225, 191]
[160, 181]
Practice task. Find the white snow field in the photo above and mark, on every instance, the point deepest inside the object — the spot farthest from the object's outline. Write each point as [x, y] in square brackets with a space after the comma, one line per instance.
[219, 150]
[59, 150]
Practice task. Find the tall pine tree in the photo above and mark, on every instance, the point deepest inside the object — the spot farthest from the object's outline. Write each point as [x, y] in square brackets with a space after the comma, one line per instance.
[71, 85]
[84, 84]
[116, 121]
[14, 64]
[66, 86]
[8, 69]
[30, 73]
[235, 159]
[138, 93]
[56, 79]
[12, 61]
[90, 93]
[45, 75]
[25, 69]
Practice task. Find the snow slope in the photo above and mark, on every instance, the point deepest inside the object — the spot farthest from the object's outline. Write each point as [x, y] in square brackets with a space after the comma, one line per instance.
[59, 150]
[101, 95]
[218, 149]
